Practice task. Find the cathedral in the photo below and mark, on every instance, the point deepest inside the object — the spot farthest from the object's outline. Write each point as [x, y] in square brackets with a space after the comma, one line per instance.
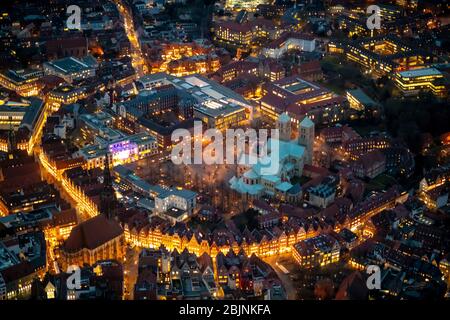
[254, 181]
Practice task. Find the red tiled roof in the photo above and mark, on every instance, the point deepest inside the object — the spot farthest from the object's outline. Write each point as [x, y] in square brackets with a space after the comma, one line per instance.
[55, 44]
[261, 204]
[246, 27]
[275, 101]
[304, 108]
[331, 131]
[17, 271]
[66, 163]
[371, 158]
[315, 169]
[261, 22]
[92, 233]
[239, 65]
[310, 66]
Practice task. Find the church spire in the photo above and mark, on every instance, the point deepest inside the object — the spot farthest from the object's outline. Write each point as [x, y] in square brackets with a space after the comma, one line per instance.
[12, 143]
[112, 93]
[108, 201]
[107, 181]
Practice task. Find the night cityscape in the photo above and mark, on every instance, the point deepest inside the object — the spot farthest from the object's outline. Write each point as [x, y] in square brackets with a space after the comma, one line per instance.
[246, 150]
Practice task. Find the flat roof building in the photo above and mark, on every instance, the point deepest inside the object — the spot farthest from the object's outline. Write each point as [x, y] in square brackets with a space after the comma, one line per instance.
[217, 106]
[71, 68]
[66, 94]
[382, 54]
[359, 100]
[412, 82]
[23, 82]
[24, 113]
[123, 150]
[300, 98]
[164, 198]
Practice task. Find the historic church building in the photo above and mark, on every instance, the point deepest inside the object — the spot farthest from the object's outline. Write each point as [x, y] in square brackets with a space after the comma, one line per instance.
[255, 181]
[98, 238]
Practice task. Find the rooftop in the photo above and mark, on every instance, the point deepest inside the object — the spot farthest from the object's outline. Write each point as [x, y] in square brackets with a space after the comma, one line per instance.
[70, 65]
[362, 97]
[175, 212]
[423, 72]
[307, 122]
[95, 151]
[212, 98]
[92, 233]
[323, 243]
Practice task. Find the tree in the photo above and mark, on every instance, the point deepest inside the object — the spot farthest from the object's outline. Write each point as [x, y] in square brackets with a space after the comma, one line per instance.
[407, 118]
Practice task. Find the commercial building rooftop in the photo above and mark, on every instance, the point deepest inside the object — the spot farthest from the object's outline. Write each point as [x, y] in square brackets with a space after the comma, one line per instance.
[95, 151]
[30, 110]
[150, 189]
[68, 65]
[212, 98]
[423, 72]
[363, 98]
[22, 75]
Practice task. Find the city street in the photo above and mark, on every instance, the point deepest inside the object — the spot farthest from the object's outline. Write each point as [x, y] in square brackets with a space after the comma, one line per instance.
[130, 268]
[280, 269]
[137, 59]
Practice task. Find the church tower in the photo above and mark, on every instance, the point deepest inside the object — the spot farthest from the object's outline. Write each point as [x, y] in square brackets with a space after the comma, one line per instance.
[111, 86]
[12, 143]
[284, 126]
[306, 138]
[108, 201]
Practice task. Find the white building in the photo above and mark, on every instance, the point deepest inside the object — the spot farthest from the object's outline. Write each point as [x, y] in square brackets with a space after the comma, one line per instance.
[289, 41]
[60, 131]
[123, 150]
[321, 196]
[176, 204]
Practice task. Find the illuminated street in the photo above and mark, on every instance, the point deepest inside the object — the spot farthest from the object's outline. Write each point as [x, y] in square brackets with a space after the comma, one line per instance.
[130, 272]
[137, 59]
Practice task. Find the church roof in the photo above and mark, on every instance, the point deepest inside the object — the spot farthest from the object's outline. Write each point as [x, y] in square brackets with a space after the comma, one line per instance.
[307, 122]
[250, 174]
[240, 186]
[284, 117]
[92, 233]
[284, 186]
[286, 148]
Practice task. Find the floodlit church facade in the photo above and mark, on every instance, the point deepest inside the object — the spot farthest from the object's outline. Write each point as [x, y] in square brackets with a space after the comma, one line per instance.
[254, 182]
